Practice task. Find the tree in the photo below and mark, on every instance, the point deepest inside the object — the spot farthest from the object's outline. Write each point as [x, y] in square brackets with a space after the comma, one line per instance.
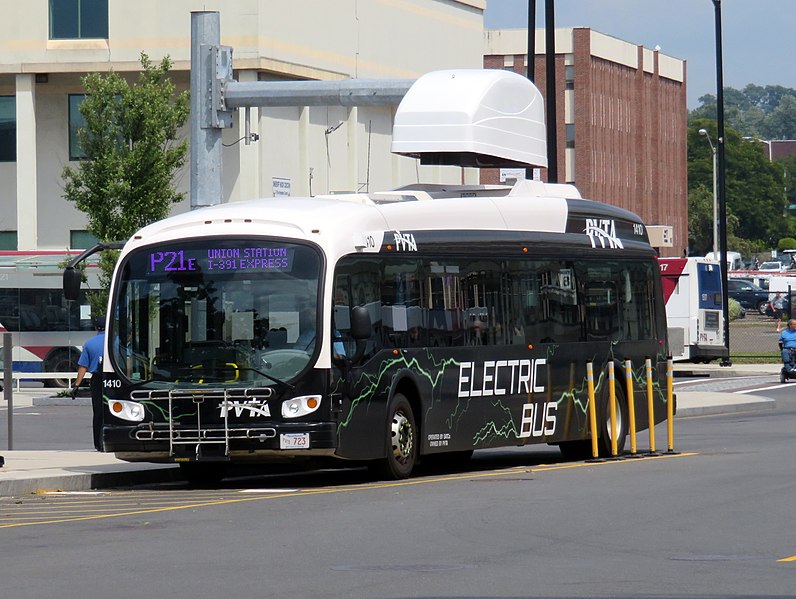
[768, 112]
[131, 155]
[754, 186]
[700, 220]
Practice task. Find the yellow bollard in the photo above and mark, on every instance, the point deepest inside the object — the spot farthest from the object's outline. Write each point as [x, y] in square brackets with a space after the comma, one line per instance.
[595, 450]
[612, 400]
[650, 406]
[670, 402]
[631, 405]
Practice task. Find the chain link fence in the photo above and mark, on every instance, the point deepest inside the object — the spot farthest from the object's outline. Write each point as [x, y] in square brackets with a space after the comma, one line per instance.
[755, 336]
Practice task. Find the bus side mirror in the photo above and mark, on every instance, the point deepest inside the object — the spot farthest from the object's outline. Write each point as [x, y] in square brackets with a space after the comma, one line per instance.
[72, 281]
[360, 323]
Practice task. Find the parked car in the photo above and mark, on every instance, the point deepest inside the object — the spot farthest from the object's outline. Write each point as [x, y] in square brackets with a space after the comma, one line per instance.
[749, 295]
[772, 266]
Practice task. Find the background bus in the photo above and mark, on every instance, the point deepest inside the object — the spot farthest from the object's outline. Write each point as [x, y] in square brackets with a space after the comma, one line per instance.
[692, 292]
[47, 330]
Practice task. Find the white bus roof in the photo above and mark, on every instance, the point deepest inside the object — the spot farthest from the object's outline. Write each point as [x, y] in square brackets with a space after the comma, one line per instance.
[340, 223]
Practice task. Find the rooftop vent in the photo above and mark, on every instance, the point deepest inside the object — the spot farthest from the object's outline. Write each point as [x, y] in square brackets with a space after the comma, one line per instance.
[479, 118]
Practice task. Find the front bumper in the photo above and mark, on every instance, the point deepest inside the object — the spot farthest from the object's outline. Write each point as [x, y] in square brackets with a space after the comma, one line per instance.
[160, 443]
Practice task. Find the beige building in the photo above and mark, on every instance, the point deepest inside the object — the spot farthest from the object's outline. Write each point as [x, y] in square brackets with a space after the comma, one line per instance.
[621, 130]
[46, 46]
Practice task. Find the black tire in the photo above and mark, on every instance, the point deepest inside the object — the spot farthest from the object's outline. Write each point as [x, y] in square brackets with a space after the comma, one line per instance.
[62, 361]
[582, 450]
[402, 441]
[621, 424]
[782, 377]
[203, 474]
[762, 307]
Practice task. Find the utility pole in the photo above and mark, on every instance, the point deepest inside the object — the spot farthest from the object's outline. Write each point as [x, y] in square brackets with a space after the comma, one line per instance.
[530, 67]
[214, 96]
[720, 180]
[550, 69]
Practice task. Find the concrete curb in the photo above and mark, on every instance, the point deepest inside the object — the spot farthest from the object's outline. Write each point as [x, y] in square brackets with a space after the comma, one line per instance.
[27, 472]
[83, 481]
[52, 400]
[701, 403]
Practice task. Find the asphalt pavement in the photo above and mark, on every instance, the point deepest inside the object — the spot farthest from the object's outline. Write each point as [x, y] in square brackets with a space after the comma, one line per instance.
[31, 472]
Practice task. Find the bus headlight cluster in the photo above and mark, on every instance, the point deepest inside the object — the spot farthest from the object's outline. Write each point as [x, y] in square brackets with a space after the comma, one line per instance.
[126, 410]
[300, 406]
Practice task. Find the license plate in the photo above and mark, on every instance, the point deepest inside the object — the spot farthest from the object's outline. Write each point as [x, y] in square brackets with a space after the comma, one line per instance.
[294, 441]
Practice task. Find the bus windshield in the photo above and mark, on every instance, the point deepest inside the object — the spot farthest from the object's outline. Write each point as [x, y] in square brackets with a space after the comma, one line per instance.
[216, 311]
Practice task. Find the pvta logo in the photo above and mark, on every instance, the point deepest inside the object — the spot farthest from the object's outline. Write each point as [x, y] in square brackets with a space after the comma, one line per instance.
[602, 231]
[255, 408]
[405, 242]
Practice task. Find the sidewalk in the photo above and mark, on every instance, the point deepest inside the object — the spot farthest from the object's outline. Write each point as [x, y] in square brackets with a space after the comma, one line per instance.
[27, 472]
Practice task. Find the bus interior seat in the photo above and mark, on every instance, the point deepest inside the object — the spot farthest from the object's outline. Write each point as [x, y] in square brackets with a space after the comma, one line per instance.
[56, 317]
[277, 338]
[198, 352]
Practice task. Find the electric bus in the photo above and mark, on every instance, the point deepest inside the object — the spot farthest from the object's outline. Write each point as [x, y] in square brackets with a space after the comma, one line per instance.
[388, 327]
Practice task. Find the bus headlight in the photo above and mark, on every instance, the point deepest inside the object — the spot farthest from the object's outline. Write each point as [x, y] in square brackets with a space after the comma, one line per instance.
[126, 410]
[300, 406]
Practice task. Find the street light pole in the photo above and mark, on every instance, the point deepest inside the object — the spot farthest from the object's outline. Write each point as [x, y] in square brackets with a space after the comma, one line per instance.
[704, 133]
[720, 180]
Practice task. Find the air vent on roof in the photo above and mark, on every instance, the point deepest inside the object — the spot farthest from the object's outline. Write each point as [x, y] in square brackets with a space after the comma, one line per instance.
[481, 118]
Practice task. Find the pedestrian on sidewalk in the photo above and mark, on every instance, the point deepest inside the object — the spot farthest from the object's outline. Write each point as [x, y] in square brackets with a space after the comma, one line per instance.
[91, 361]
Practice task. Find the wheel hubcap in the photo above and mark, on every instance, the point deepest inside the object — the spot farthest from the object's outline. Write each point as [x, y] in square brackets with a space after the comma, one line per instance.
[618, 424]
[402, 438]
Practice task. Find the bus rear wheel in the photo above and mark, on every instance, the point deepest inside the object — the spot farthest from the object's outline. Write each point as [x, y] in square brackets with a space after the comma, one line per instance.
[582, 449]
[402, 439]
[62, 361]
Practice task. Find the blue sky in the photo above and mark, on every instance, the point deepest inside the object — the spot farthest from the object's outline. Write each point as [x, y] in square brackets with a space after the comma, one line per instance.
[757, 34]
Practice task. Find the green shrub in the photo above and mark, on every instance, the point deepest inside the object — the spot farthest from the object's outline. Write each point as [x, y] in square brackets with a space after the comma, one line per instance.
[734, 309]
[786, 243]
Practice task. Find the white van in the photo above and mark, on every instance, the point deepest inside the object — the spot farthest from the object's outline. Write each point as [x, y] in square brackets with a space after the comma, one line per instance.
[733, 259]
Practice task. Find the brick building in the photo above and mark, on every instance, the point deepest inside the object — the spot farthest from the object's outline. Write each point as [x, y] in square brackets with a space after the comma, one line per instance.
[781, 148]
[621, 130]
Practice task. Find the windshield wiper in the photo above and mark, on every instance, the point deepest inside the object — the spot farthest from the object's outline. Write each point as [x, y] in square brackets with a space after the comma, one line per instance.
[269, 377]
[193, 375]
[147, 381]
[211, 373]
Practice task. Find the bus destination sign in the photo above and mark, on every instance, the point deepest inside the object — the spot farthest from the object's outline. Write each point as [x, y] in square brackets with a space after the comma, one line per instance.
[231, 259]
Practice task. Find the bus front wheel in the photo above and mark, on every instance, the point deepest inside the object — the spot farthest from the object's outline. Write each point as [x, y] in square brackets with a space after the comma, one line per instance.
[402, 439]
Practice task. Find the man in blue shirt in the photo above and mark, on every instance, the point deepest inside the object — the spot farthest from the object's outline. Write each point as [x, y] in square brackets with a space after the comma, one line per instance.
[91, 361]
[788, 339]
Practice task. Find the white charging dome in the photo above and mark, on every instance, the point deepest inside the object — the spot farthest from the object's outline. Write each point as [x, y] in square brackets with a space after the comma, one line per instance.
[483, 118]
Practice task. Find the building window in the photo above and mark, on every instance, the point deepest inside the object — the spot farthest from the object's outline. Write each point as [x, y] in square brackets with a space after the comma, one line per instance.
[8, 240]
[76, 121]
[569, 76]
[8, 129]
[78, 19]
[570, 128]
[81, 240]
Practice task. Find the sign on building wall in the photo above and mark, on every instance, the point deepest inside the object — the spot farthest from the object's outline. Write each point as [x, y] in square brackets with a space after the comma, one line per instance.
[518, 174]
[661, 236]
[280, 186]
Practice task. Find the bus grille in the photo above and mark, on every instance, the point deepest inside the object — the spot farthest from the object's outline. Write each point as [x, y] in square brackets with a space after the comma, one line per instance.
[197, 432]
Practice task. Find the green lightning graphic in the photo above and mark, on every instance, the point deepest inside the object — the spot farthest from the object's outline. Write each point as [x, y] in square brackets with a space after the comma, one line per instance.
[370, 384]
